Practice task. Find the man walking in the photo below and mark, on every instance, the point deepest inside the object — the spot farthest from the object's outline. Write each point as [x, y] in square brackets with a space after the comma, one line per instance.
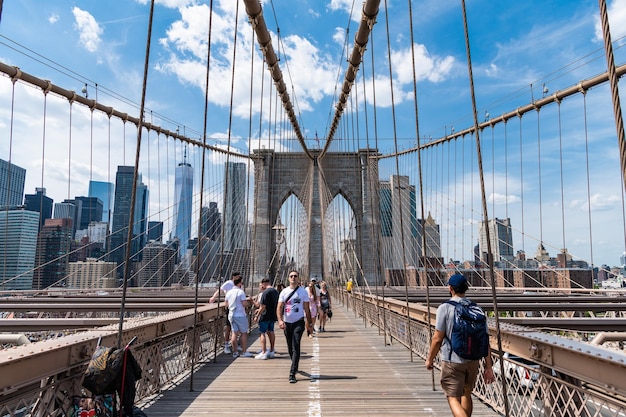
[266, 316]
[293, 308]
[458, 375]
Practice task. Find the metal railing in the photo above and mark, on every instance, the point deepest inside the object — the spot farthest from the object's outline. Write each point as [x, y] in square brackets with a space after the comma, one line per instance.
[43, 379]
[550, 375]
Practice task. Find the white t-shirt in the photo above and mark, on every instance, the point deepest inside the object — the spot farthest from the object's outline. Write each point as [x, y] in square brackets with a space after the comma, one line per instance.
[235, 299]
[294, 307]
[227, 286]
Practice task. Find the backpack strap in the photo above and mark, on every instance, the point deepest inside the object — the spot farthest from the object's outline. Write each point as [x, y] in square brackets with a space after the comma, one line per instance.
[291, 295]
[454, 304]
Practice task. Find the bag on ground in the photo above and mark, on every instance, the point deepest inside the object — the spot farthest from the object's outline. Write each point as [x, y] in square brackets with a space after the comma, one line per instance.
[470, 336]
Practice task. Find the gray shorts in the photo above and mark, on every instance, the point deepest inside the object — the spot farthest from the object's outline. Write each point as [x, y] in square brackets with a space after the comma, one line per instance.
[239, 324]
[456, 377]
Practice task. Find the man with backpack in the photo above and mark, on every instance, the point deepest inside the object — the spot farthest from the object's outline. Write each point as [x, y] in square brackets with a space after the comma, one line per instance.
[462, 336]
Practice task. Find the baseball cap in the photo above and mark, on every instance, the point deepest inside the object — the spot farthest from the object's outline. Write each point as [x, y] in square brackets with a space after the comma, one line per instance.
[314, 279]
[456, 280]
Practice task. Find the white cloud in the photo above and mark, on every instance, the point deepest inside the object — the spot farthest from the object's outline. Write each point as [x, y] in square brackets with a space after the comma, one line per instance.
[617, 21]
[492, 70]
[345, 5]
[427, 67]
[500, 199]
[172, 4]
[599, 202]
[89, 29]
[53, 18]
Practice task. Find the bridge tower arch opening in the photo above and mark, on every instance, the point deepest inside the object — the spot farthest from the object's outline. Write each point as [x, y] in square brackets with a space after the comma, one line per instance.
[315, 181]
[340, 243]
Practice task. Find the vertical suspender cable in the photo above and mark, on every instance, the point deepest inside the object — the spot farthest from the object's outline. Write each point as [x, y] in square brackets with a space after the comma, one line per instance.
[539, 174]
[135, 176]
[425, 262]
[6, 219]
[484, 207]
[395, 141]
[561, 173]
[588, 178]
[372, 183]
[230, 123]
[200, 256]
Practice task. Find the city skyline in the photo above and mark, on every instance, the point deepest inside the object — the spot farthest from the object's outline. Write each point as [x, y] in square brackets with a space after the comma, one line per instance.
[238, 234]
[514, 65]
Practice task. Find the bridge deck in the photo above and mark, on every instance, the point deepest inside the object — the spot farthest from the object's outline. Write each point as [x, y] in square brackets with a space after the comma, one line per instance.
[345, 371]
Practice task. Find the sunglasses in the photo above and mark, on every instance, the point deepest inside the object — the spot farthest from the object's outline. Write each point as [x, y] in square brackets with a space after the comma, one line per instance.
[293, 276]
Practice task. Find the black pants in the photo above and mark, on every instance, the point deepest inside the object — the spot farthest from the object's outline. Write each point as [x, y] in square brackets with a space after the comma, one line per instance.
[293, 334]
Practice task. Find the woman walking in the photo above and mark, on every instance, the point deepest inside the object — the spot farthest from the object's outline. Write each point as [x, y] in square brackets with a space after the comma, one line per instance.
[313, 300]
[325, 305]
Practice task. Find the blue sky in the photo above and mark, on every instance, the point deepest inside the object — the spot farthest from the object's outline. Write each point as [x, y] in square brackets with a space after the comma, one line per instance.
[514, 45]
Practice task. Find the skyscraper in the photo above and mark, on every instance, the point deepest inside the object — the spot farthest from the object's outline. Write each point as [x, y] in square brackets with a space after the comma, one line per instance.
[157, 266]
[104, 191]
[501, 238]
[433, 237]
[18, 242]
[67, 210]
[40, 203]
[155, 231]
[52, 255]
[211, 222]
[121, 215]
[399, 222]
[183, 199]
[235, 223]
[91, 209]
[12, 180]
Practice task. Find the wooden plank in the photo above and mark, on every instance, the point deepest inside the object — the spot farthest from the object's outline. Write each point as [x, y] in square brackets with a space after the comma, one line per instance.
[345, 371]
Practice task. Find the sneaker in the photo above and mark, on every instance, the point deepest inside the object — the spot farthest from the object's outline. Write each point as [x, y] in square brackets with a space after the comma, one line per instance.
[247, 355]
[271, 354]
[239, 349]
[236, 355]
[227, 349]
[261, 356]
[292, 379]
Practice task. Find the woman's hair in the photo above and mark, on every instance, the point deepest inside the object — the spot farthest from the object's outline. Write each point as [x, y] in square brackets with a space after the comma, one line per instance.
[313, 291]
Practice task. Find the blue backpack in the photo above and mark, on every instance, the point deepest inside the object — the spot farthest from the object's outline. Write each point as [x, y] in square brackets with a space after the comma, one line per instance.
[470, 336]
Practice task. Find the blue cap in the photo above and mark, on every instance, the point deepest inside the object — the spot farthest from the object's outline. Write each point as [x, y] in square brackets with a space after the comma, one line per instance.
[456, 280]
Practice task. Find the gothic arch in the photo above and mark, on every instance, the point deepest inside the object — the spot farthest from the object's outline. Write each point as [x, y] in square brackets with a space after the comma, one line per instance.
[279, 175]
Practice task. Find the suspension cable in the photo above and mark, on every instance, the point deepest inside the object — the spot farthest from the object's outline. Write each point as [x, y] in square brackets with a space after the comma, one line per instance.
[200, 255]
[484, 206]
[133, 198]
[614, 82]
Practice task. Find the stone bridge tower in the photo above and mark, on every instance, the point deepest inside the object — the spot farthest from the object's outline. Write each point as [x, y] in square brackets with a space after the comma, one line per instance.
[315, 182]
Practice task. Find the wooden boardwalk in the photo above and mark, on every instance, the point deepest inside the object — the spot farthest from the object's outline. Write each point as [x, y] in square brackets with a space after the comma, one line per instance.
[345, 371]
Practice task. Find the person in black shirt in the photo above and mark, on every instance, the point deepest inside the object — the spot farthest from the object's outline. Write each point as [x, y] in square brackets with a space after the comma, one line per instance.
[266, 316]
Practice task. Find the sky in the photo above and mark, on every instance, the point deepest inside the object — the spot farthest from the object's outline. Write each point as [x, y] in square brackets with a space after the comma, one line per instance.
[517, 49]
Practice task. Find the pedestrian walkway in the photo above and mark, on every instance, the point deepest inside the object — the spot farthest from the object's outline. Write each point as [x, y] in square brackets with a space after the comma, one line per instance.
[345, 371]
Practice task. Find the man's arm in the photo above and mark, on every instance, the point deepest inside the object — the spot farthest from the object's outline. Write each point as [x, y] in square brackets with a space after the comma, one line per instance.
[259, 311]
[435, 345]
[214, 296]
[279, 314]
[488, 375]
[307, 312]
